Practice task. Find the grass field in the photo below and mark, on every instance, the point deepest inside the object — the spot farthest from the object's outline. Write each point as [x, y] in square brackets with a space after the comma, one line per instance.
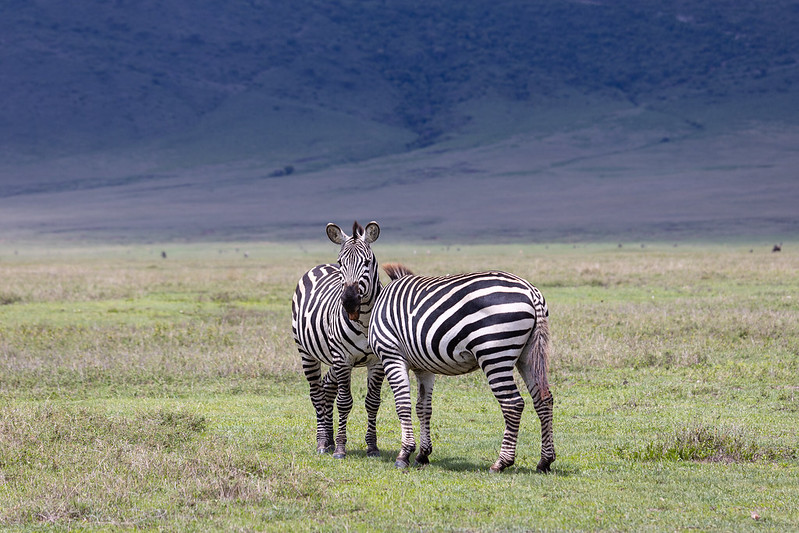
[141, 392]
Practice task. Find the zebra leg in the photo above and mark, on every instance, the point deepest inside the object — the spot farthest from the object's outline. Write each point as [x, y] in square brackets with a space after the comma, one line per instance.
[329, 386]
[312, 370]
[543, 407]
[397, 375]
[344, 405]
[503, 385]
[512, 407]
[373, 388]
[424, 410]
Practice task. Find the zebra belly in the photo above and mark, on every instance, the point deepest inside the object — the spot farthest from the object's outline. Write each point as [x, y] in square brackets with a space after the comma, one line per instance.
[455, 364]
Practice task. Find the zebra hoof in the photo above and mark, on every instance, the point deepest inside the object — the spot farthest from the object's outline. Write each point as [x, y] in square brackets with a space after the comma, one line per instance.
[321, 450]
[543, 467]
[374, 452]
[401, 463]
[498, 467]
[339, 455]
[421, 462]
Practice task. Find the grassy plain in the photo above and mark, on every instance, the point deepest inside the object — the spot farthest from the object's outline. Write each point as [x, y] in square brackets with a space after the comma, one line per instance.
[141, 392]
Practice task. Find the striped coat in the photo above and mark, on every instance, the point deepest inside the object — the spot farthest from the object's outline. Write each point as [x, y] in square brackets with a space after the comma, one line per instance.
[330, 313]
[451, 325]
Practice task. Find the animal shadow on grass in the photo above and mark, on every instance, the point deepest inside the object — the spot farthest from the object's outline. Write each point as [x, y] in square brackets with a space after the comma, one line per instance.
[448, 463]
[386, 456]
[458, 464]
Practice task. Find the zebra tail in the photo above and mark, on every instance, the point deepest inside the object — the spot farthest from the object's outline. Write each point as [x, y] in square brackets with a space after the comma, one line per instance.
[396, 270]
[539, 354]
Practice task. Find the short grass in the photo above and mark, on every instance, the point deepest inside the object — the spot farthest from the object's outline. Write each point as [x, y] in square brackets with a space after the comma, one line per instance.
[145, 393]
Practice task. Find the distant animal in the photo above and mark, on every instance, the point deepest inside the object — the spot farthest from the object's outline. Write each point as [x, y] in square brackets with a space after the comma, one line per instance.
[453, 325]
[777, 248]
[163, 255]
[329, 317]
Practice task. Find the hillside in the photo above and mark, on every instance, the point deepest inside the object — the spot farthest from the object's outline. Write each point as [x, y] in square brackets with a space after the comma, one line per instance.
[133, 120]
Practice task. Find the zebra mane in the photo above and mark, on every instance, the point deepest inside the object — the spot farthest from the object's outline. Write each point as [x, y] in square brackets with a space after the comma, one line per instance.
[396, 270]
[357, 230]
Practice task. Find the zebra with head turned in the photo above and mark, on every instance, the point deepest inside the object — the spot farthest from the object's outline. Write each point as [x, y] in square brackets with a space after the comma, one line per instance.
[329, 318]
[452, 325]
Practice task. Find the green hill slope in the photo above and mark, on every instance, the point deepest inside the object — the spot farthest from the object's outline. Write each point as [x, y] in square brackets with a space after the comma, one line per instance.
[473, 119]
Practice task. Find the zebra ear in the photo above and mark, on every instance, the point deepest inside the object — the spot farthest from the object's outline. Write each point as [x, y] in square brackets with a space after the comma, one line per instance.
[372, 232]
[335, 234]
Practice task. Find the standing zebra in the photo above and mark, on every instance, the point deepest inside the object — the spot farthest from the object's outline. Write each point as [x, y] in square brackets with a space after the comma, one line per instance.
[329, 318]
[453, 325]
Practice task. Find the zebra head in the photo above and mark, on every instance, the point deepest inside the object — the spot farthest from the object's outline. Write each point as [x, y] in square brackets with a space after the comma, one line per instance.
[357, 265]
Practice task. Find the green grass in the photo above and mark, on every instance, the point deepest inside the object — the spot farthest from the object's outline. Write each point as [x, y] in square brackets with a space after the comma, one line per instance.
[142, 393]
[706, 443]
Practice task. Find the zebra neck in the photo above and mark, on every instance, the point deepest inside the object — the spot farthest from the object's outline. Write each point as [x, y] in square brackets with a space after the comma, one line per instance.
[369, 299]
[366, 306]
[362, 324]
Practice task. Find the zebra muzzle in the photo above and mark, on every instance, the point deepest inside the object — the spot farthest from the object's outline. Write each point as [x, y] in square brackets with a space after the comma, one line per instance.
[351, 301]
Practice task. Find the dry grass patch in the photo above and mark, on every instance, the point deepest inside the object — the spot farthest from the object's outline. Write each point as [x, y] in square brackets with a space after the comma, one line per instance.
[68, 465]
[705, 443]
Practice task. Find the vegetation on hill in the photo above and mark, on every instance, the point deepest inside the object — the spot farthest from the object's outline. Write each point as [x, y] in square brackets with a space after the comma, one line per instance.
[108, 72]
[587, 119]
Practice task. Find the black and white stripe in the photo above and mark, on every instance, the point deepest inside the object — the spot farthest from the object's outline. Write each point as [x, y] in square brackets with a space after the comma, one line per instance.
[329, 318]
[452, 325]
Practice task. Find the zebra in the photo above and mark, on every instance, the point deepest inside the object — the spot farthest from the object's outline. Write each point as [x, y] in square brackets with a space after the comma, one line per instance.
[329, 317]
[453, 325]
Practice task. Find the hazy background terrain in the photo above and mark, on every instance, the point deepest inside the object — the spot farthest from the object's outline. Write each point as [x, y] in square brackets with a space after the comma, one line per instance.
[455, 121]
